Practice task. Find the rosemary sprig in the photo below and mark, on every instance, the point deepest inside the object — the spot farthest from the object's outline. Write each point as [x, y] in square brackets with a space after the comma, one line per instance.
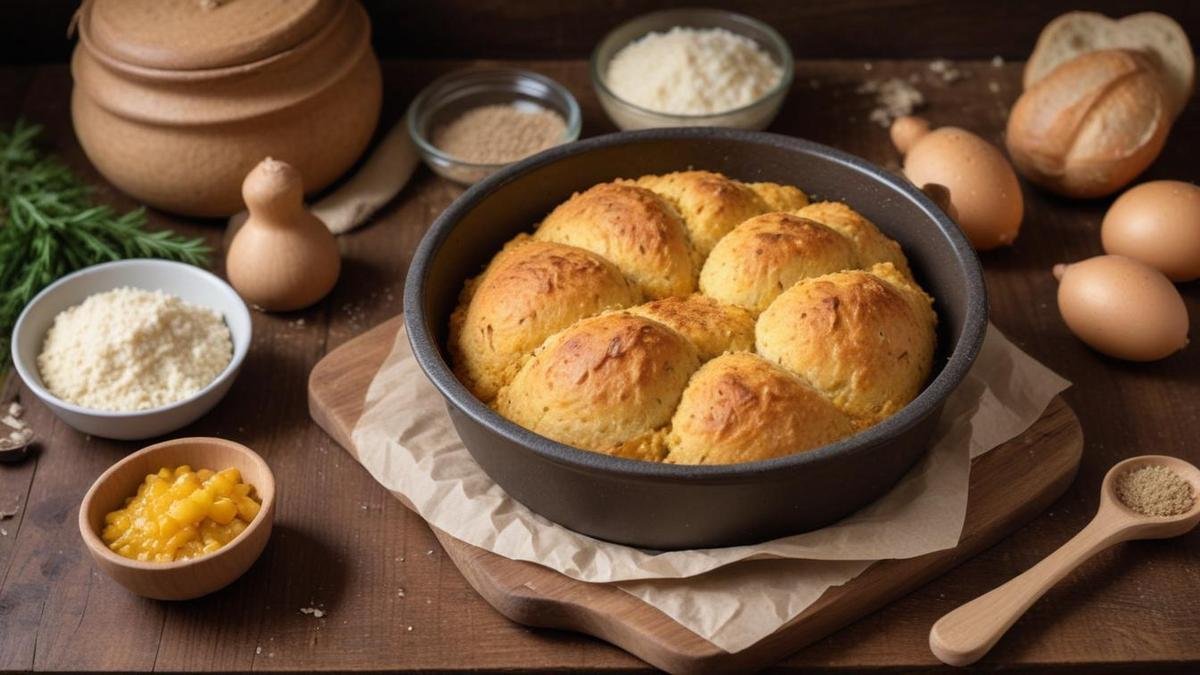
[49, 226]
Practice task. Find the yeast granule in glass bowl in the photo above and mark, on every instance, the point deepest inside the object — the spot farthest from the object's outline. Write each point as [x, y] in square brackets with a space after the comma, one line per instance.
[469, 124]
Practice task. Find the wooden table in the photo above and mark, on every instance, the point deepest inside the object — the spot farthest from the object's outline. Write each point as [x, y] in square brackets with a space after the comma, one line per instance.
[344, 545]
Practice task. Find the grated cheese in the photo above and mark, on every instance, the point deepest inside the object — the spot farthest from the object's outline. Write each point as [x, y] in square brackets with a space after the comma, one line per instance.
[130, 349]
[689, 71]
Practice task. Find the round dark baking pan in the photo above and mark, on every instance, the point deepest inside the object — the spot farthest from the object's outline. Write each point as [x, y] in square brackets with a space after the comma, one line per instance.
[664, 506]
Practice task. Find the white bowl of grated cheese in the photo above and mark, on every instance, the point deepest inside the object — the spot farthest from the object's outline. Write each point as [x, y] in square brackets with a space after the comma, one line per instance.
[692, 67]
[184, 286]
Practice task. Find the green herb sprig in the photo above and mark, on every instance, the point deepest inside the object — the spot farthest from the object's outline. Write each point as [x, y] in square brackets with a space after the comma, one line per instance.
[49, 227]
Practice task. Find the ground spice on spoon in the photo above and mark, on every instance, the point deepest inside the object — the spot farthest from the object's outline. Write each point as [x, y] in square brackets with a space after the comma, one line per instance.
[1155, 491]
[499, 134]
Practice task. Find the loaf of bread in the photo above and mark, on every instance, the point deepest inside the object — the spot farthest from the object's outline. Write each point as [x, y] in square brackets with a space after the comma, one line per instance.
[807, 326]
[1156, 35]
[1092, 124]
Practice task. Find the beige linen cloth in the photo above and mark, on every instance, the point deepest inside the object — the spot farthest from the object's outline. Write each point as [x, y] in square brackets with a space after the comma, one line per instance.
[735, 596]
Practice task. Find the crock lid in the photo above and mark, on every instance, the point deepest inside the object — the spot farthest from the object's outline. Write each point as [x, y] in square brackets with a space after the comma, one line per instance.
[201, 34]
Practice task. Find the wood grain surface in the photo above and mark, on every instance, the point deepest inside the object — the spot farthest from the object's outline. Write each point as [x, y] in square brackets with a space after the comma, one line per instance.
[1007, 490]
[35, 31]
[393, 601]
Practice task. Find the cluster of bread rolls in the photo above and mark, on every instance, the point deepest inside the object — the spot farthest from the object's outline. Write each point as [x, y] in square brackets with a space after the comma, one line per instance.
[695, 319]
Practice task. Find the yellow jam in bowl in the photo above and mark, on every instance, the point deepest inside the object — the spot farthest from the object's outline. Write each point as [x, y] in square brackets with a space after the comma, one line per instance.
[180, 514]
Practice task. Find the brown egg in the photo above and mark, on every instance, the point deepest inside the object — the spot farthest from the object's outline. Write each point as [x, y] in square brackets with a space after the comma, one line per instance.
[1157, 223]
[1122, 307]
[983, 187]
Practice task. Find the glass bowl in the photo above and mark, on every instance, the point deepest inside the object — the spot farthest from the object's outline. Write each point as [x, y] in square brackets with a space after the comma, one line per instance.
[451, 95]
[755, 116]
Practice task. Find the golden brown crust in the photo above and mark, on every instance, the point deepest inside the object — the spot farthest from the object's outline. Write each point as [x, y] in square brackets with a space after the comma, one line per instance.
[1091, 125]
[634, 229]
[713, 327]
[765, 255]
[531, 290]
[604, 384]
[741, 408]
[864, 339]
[780, 197]
[873, 246]
[711, 204]
[553, 337]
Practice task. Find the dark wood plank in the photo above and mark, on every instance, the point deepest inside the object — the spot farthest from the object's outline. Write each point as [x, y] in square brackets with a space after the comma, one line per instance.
[1135, 602]
[52, 597]
[33, 31]
[14, 480]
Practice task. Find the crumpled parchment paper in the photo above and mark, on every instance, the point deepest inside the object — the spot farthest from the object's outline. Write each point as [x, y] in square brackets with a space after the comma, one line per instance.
[735, 596]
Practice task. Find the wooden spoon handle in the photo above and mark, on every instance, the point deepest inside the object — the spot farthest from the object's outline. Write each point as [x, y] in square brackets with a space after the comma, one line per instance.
[964, 635]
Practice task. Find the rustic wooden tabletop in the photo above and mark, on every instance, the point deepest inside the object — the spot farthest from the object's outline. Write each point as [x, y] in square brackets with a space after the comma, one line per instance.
[392, 601]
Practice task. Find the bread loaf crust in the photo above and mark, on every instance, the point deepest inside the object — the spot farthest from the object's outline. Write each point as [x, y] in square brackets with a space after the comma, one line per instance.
[739, 407]
[605, 384]
[634, 229]
[1091, 125]
[531, 290]
[1156, 35]
[864, 339]
[765, 255]
[552, 336]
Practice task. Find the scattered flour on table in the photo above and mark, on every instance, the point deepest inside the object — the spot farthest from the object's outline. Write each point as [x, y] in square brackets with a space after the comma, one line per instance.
[131, 349]
[894, 98]
[946, 70]
[690, 71]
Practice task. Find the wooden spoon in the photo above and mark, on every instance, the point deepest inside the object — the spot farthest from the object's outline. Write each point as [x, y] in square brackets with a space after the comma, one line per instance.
[964, 635]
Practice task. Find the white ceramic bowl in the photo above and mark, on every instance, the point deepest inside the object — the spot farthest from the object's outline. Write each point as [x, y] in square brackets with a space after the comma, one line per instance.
[185, 281]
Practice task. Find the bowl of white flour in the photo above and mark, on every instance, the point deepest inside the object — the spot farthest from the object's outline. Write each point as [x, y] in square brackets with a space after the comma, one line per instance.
[692, 67]
[132, 349]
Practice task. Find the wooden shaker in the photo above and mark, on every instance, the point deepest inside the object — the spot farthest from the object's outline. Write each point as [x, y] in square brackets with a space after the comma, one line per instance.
[283, 258]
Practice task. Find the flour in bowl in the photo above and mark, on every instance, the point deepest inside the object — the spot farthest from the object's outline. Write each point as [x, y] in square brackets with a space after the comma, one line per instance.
[690, 71]
[130, 349]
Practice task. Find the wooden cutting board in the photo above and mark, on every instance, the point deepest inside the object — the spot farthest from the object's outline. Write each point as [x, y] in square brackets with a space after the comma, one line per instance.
[1007, 490]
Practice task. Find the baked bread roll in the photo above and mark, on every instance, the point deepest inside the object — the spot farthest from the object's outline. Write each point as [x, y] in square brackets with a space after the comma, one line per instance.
[808, 326]
[1157, 35]
[712, 327]
[609, 384]
[780, 197]
[711, 204]
[531, 290]
[765, 255]
[873, 246]
[864, 339]
[741, 408]
[1091, 125]
[634, 229]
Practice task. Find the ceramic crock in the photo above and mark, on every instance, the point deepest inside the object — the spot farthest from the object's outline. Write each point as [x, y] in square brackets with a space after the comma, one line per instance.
[176, 100]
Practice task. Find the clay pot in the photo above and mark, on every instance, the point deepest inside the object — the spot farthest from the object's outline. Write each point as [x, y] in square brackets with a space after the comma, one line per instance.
[176, 101]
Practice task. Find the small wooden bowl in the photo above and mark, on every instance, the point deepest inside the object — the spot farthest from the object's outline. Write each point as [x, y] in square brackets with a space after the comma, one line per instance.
[183, 579]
